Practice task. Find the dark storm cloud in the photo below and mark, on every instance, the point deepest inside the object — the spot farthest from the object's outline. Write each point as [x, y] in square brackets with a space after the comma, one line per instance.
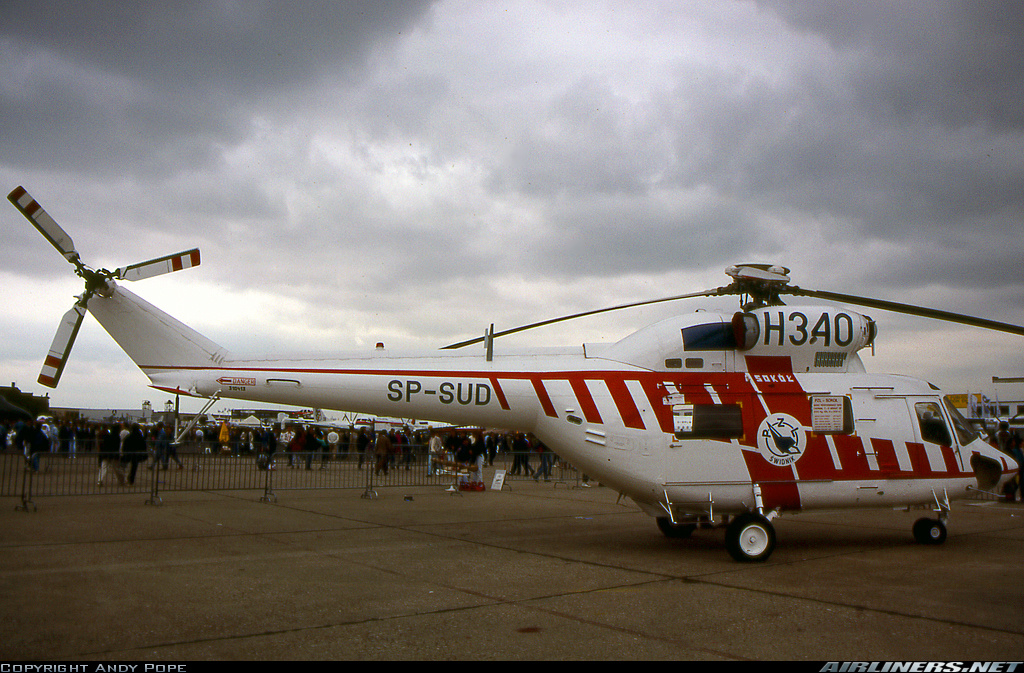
[955, 63]
[153, 83]
[201, 46]
[916, 138]
[424, 168]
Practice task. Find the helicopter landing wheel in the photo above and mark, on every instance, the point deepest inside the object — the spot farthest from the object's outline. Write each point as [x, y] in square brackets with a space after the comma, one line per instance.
[929, 531]
[676, 531]
[750, 538]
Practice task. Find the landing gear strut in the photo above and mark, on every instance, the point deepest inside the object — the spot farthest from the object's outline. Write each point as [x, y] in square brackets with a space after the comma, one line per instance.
[933, 531]
[675, 530]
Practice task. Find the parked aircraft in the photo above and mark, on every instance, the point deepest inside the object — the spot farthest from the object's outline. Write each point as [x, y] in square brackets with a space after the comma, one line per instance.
[702, 419]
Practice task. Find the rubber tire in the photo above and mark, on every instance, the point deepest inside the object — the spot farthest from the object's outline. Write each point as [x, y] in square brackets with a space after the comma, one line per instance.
[676, 531]
[929, 531]
[750, 538]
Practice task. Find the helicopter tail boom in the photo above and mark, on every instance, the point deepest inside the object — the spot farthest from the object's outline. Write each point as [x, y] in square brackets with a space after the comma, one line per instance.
[152, 339]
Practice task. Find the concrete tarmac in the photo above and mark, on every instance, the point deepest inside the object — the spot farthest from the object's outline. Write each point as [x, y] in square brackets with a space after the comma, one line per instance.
[533, 573]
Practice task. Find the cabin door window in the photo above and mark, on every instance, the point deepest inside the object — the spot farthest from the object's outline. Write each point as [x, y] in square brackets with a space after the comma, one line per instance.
[933, 424]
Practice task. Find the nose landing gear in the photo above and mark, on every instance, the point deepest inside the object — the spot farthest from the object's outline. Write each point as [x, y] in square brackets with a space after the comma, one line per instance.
[750, 537]
[929, 531]
[933, 531]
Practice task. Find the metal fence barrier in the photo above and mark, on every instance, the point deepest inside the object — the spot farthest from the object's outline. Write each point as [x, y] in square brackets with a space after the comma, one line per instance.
[195, 468]
[208, 468]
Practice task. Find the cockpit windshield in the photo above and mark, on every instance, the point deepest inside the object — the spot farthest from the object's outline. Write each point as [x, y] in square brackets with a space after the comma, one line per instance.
[964, 432]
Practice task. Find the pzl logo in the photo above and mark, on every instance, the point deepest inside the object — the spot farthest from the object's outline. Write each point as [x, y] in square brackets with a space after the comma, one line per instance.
[781, 439]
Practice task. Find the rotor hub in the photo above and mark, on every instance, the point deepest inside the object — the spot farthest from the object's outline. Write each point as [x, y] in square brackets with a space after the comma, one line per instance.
[758, 285]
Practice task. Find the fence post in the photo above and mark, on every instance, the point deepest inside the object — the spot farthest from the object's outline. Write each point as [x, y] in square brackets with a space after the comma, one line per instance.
[369, 493]
[268, 479]
[26, 484]
[154, 496]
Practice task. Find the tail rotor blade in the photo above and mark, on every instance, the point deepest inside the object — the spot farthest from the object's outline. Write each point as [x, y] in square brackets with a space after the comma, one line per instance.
[159, 266]
[60, 349]
[42, 221]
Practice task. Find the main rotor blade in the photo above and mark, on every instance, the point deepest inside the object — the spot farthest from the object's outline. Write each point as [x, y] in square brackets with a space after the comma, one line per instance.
[60, 349]
[159, 266]
[909, 309]
[42, 221]
[552, 321]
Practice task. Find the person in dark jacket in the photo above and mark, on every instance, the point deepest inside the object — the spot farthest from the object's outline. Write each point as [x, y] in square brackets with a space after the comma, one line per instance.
[133, 451]
[382, 450]
[33, 442]
[109, 448]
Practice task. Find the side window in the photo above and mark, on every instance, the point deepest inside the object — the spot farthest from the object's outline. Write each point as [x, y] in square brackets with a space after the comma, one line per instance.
[716, 336]
[933, 428]
[708, 421]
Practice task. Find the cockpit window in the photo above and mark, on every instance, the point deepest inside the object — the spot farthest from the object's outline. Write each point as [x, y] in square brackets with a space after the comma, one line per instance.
[933, 428]
[716, 336]
[964, 432]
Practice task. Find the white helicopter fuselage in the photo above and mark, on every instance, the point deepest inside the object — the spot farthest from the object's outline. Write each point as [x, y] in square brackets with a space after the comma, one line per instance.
[696, 416]
[701, 419]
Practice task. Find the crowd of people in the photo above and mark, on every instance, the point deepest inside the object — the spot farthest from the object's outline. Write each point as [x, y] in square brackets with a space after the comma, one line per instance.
[452, 450]
[120, 448]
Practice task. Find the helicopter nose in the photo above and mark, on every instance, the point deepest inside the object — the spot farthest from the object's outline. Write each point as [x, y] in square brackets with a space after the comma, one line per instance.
[987, 471]
[993, 469]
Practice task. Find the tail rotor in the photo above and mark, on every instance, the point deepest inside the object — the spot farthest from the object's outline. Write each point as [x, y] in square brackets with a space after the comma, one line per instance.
[97, 281]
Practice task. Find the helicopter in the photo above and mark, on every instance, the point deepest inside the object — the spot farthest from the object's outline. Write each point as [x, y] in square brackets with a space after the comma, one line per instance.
[704, 420]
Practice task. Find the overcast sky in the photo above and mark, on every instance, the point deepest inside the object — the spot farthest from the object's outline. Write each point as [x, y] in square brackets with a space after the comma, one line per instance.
[410, 172]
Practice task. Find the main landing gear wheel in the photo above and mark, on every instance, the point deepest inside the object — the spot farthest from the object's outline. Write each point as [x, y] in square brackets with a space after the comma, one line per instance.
[929, 531]
[750, 538]
[675, 530]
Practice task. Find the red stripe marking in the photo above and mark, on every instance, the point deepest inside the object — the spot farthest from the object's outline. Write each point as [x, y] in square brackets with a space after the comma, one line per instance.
[51, 361]
[853, 461]
[885, 453]
[949, 458]
[778, 484]
[780, 494]
[624, 403]
[499, 393]
[545, 401]
[816, 463]
[176, 263]
[769, 364]
[194, 258]
[656, 397]
[586, 400]
[918, 459]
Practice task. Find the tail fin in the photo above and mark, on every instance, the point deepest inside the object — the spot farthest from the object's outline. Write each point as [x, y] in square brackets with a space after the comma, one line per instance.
[155, 341]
